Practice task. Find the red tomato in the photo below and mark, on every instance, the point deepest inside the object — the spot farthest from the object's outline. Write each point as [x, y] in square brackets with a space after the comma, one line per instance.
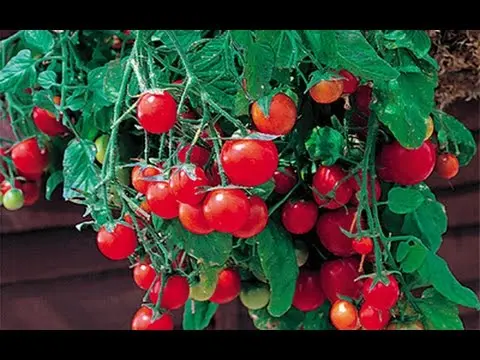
[5, 186]
[142, 320]
[299, 217]
[175, 293]
[338, 278]
[308, 291]
[157, 113]
[344, 315]
[356, 185]
[119, 244]
[226, 210]
[281, 116]
[144, 275]
[327, 91]
[372, 318]
[350, 83]
[140, 222]
[404, 166]
[330, 235]
[47, 123]
[29, 158]
[249, 162]
[447, 166]
[257, 220]
[213, 175]
[285, 179]
[199, 155]
[139, 174]
[326, 179]
[381, 296]
[31, 192]
[228, 287]
[192, 219]
[363, 246]
[363, 97]
[161, 200]
[186, 189]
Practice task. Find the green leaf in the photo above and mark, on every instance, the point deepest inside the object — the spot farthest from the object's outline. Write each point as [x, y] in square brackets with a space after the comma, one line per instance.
[417, 41]
[404, 200]
[47, 79]
[321, 75]
[438, 312]
[243, 38]
[198, 314]
[414, 259]
[185, 38]
[259, 63]
[95, 85]
[431, 220]
[436, 271]
[78, 168]
[44, 99]
[279, 262]
[176, 234]
[77, 100]
[213, 249]
[406, 63]
[264, 190]
[402, 251]
[53, 181]
[283, 45]
[113, 79]
[324, 46]
[392, 222]
[241, 105]
[325, 144]
[20, 69]
[157, 222]
[454, 136]
[41, 40]
[291, 320]
[318, 319]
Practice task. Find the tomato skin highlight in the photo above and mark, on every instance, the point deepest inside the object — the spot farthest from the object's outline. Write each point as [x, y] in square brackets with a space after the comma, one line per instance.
[381, 296]
[47, 123]
[175, 293]
[192, 219]
[363, 246]
[226, 210]
[327, 91]
[144, 275]
[338, 278]
[344, 315]
[308, 294]
[228, 287]
[29, 159]
[257, 219]
[325, 180]
[161, 200]
[142, 320]
[299, 217]
[447, 166]
[119, 244]
[187, 190]
[281, 118]
[372, 318]
[157, 113]
[249, 162]
[199, 155]
[350, 83]
[284, 180]
[138, 175]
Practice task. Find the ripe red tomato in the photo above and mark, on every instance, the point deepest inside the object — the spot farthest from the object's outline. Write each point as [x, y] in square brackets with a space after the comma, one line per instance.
[29, 158]
[157, 113]
[338, 278]
[257, 220]
[344, 315]
[118, 244]
[299, 217]
[281, 117]
[226, 210]
[192, 219]
[327, 91]
[249, 162]
[447, 166]
[161, 200]
[356, 185]
[175, 292]
[213, 175]
[142, 320]
[185, 189]
[31, 192]
[350, 83]
[381, 296]
[47, 123]
[404, 166]
[199, 155]
[228, 287]
[372, 318]
[363, 97]
[330, 235]
[144, 275]
[308, 294]
[285, 179]
[326, 179]
[363, 246]
[139, 173]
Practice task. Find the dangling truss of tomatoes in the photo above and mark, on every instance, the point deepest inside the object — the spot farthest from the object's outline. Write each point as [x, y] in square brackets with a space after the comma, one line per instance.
[157, 112]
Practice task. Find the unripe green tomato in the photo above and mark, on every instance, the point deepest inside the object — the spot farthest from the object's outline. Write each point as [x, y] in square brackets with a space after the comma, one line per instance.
[256, 296]
[301, 251]
[101, 145]
[13, 199]
[203, 290]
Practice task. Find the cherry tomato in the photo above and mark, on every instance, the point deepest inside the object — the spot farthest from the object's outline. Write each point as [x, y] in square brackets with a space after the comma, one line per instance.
[430, 128]
[327, 91]
[285, 179]
[199, 155]
[381, 296]
[299, 217]
[175, 293]
[350, 83]
[144, 275]
[356, 186]
[29, 158]
[249, 162]
[192, 219]
[330, 235]
[228, 287]
[281, 116]
[213, 175]
[161, 200]
[101, 146]
[256, 296]
[363, 246]
[186, 189]
[47, 123]
[118, 244]
[257, 220]
[325, 180]
[5, 186]
[13, 199]
[308, 294]
[447, 166]
[417, 325]
[139, 174]
[372, 318]
[301, 252]
[344, 315]
[138, 219]
[363, 97]
[142, 320]
[338, 278]
[31, 192]
[226, 210]
[203, 290]
[404, 166]
[157, 113]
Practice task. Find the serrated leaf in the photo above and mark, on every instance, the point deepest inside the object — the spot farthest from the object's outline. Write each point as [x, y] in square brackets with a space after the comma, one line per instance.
[404, 200]
[264, 190]
[291, 320]
[417, 41]
[438, 312]
[41, 40]
[259, 63]
[212, 249]
[318, 319]
[47, 79]
[20, 69]
[402, 251]
[324, 46]
[53, 181]
[198, 314]
[414, 259]
[325, 144]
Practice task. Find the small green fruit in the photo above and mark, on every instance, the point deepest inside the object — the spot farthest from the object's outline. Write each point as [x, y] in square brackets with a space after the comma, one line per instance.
[255, 296]
[13, 199]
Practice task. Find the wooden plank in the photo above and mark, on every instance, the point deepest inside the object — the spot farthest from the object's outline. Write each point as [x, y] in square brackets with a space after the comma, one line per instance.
[462, 208]
[468, 112]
